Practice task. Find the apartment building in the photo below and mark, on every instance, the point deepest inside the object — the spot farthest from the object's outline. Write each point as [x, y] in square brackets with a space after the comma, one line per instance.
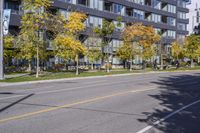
[168, 17]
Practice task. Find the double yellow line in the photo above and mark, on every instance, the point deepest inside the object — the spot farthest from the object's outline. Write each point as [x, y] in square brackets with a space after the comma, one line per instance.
[72, 104]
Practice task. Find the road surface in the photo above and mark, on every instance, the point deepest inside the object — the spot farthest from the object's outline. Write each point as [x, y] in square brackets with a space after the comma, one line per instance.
[148, 103]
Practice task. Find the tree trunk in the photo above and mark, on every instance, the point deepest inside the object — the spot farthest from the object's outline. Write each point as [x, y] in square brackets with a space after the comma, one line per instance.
[37, 66]
[192, 63]
[77, 70]
[29, 66]
[131, 65]
[161, 62]
[107, 65]
[92, 66]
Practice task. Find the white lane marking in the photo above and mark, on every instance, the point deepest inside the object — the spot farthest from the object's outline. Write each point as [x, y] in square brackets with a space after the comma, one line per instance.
[166, 117]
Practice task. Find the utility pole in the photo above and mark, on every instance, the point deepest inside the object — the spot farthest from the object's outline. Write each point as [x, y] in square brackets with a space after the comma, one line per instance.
[1, 40]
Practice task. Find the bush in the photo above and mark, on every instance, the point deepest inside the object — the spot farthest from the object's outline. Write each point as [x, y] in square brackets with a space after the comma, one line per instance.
[183, 64]
[13, 69]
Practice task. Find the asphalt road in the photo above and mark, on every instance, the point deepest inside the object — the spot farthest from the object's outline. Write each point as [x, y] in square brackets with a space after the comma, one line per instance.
[148, 103]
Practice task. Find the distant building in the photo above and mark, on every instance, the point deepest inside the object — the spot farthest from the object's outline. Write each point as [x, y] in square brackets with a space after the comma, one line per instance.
[193, 15]
[168, 17]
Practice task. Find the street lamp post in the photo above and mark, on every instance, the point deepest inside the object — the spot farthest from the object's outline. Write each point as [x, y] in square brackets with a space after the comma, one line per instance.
[1, 40]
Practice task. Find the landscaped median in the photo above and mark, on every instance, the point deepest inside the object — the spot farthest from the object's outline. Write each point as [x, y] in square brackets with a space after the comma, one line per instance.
[64, 75]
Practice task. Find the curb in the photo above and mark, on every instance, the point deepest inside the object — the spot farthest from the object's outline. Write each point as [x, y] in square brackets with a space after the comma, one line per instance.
[4, 84]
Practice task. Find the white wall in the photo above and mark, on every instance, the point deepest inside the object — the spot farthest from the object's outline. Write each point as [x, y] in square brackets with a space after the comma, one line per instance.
[192, 12]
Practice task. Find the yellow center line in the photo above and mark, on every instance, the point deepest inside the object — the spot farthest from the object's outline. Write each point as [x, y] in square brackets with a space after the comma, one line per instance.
[71, 104]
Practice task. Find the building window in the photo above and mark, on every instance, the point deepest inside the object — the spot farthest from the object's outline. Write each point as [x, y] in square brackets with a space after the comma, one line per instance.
[171, 21]
[171, 34]
[181, 15]
[139, 2]
[116, 44]
[180, 37]
[181, 3]
[117, 8]
[138, 14]
[181, 26]
[94, 21]
[156, 18]
[83, 2]
[64, 13]
[96, 4]
[171, 8]
[156, 4]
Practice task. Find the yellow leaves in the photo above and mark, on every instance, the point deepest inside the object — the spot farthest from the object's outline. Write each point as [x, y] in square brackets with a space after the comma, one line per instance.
[148, 52]
[145, 36]
[94, 54]
[191, 46]
[68, 43]
[8, 41]
[8, 46]
[36, 4]
[75, 22]
[68, 46]
[125, 52]
[176, 50]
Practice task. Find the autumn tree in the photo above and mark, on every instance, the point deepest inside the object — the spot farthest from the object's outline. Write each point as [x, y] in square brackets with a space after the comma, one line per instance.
[144, 36]
[33, 23]
[67, 43]
[191, 47]
[9, 50]
[94, 53]
[177, 50]
[105, 33]
[127, 52]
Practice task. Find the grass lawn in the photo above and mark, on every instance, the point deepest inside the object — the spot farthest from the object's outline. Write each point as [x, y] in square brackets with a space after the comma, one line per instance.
[182, 69]
[61, 75]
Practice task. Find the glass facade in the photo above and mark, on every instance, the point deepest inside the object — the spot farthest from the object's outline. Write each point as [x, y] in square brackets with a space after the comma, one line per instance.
[156, 4]
[138, 14]
[96, 4]
[181, 15]
[171, 21]
[156, 18]
[95, 21]
[181, 3]
[171, 8]
[181, 26]
[139, 2]
[118, 9]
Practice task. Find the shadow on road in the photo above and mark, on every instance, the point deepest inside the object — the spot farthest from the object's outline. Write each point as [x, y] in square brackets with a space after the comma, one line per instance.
[6, 93]
[176, 92]
[16, 102]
